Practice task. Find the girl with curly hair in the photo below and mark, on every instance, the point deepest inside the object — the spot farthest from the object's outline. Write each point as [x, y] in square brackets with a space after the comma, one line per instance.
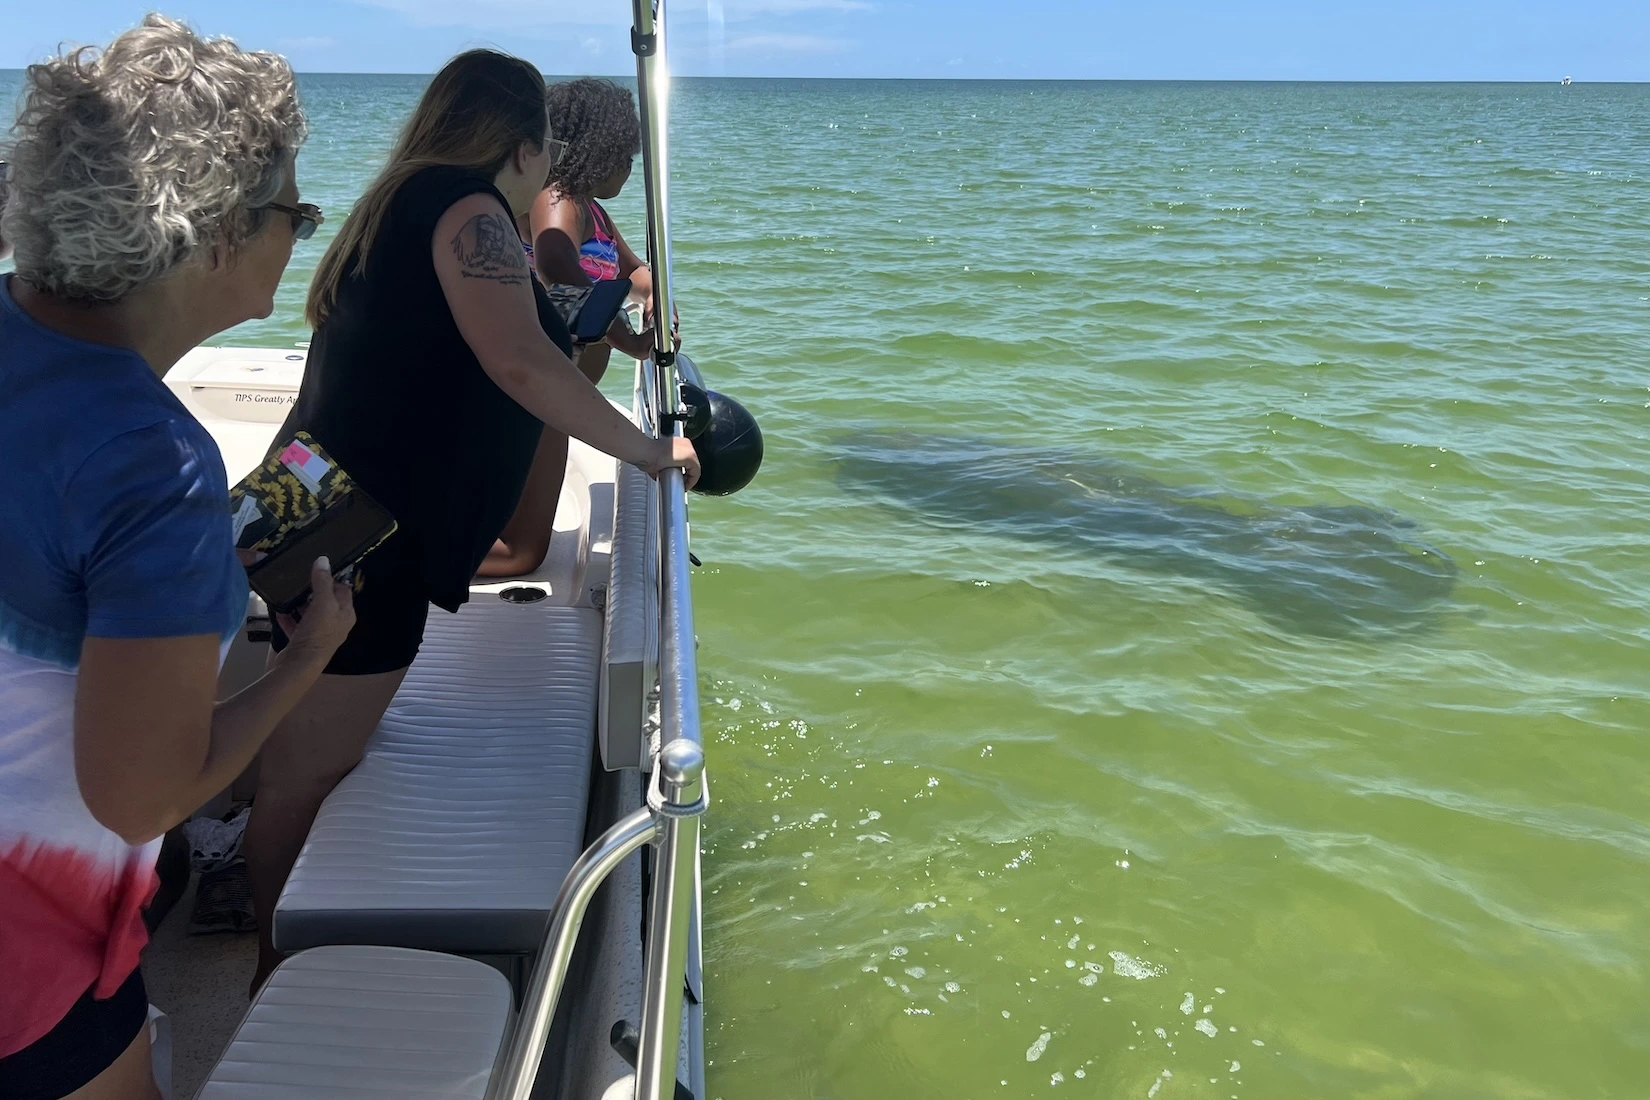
[570, 239]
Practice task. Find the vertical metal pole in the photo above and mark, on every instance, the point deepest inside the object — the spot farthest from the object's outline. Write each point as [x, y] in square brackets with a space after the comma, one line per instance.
[680, 779]
[647, 39]
[519, 1061]
[679, 769]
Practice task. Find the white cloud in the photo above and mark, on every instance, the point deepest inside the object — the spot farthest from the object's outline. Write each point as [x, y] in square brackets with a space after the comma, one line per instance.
[786, 43]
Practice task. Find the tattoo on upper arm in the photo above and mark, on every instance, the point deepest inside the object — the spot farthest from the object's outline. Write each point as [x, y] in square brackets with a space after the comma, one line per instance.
[488, 247]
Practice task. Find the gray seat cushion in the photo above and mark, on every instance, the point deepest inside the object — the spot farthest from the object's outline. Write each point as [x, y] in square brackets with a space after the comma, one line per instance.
[367, 1022]
[456, 830]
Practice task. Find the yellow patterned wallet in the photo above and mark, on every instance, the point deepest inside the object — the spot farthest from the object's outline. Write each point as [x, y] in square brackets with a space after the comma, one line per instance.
[296, 507]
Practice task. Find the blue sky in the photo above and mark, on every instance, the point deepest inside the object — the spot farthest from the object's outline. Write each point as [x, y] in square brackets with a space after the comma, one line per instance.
[1109, 39]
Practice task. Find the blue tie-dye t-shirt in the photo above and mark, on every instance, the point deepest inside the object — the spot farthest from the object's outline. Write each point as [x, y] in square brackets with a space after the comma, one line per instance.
[114, 523]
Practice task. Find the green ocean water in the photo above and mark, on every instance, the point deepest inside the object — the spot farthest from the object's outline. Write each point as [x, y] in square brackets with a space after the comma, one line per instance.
[1188, 638]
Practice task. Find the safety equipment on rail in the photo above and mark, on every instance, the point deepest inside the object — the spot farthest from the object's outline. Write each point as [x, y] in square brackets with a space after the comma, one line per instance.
[726, 437]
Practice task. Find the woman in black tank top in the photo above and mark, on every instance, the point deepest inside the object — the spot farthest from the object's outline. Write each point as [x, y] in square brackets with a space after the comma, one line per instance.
[436, 365]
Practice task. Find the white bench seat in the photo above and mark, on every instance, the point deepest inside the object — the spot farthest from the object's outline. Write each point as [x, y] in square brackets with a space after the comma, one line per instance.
[457, 828]
[367, 1023]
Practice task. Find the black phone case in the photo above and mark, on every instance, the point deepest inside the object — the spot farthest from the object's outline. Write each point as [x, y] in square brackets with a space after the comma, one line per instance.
[588, 310]
[606, 299]
[344, 532]
[296, 507]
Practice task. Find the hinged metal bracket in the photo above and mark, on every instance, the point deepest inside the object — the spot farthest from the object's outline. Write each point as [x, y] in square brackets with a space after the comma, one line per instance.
[660, 805]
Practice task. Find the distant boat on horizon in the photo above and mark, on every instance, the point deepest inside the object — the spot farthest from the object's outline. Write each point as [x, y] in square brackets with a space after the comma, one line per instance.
[1565, 83]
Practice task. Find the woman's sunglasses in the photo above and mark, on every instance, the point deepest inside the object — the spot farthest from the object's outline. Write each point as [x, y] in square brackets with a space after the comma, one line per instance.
[306, 218]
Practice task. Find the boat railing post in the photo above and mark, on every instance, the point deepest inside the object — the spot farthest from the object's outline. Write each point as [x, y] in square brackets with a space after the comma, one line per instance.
[647, 42]
[679, 791]
[518, 1063]
[678, 796]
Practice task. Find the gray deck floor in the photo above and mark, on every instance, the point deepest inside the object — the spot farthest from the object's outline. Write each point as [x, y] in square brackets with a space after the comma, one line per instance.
[200, 983]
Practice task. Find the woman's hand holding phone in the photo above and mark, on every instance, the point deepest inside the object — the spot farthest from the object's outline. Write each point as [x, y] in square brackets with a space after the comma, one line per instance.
[320, 627]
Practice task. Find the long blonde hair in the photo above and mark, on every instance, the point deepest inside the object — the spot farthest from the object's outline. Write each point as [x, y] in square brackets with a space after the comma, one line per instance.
[475, 114]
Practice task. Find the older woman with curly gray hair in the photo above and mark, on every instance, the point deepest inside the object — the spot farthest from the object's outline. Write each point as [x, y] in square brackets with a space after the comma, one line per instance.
[152, 204]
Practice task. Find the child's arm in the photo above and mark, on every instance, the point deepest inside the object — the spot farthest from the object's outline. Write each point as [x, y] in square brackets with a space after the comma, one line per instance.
[630, 264]
[641, 284]
[558, 229]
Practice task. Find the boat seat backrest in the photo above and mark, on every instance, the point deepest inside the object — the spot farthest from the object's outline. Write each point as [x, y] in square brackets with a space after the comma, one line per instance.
[630, 641]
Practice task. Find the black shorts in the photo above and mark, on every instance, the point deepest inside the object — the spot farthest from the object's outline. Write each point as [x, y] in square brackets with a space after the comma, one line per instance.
[390, 610]
[82, 1045]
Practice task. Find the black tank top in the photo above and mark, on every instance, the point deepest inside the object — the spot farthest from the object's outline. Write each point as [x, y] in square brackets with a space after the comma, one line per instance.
[396, 395]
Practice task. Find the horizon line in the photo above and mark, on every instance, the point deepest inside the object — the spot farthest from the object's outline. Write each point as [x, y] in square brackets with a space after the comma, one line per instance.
[1032, 79]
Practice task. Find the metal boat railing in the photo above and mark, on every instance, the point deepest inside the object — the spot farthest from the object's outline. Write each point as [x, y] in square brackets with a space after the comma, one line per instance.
[677, 796]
